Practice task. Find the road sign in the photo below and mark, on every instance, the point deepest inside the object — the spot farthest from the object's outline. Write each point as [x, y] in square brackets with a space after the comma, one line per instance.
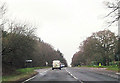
[99, 64]
[28, 61]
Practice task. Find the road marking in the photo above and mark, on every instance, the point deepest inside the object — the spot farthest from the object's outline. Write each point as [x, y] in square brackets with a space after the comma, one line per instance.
[35, 76]
[73, 76]
[29, 79]
[43, 73]
[118, 73]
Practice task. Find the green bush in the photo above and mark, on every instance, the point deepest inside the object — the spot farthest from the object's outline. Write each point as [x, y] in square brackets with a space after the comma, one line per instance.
[114, 63]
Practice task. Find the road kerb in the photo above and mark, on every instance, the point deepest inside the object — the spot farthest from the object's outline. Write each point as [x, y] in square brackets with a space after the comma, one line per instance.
[34, 76]
[110, 75]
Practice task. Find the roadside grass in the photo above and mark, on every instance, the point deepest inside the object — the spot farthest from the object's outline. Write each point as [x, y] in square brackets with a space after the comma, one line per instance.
[113, 68]
[21, 74]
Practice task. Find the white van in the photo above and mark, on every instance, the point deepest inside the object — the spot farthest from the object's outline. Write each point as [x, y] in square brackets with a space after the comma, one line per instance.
[56, 65]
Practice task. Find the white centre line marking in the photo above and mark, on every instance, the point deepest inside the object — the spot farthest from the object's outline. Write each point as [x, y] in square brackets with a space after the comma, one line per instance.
[74, 76]
[71, 74]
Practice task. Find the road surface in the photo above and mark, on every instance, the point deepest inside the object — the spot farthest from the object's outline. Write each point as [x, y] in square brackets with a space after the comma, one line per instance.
[71, 75]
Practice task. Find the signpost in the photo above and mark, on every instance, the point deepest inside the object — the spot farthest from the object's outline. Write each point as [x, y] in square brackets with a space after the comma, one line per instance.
[28, 63]
[46, 63]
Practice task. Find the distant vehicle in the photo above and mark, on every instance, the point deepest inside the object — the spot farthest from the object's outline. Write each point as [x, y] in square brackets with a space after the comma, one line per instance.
[56, 65]
[62, 65]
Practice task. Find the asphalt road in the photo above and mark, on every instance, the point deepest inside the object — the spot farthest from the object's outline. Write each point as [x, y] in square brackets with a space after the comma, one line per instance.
[71, 75]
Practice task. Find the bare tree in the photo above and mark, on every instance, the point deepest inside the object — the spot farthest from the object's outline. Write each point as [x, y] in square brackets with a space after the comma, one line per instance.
[2, 12]
[114, 14]
[2, 9]
[21, 28]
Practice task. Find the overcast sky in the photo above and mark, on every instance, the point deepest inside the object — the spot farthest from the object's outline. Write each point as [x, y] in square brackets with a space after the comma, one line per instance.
[62, 23]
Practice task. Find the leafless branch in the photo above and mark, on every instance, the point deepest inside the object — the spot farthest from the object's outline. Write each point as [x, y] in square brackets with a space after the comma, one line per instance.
[112, 12]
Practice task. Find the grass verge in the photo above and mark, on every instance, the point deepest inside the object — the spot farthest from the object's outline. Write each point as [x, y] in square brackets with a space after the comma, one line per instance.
[112, 68]
[21, 74]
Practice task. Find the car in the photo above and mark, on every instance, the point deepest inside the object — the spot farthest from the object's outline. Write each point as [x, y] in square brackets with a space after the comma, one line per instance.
[56, 64]
[62, 65]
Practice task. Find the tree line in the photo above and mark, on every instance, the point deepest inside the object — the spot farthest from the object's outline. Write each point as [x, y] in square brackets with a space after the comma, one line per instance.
[100, 47]
[19, 44]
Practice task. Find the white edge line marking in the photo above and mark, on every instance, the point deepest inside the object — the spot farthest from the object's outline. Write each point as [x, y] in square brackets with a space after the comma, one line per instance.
[34, 76]
[29, 79]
